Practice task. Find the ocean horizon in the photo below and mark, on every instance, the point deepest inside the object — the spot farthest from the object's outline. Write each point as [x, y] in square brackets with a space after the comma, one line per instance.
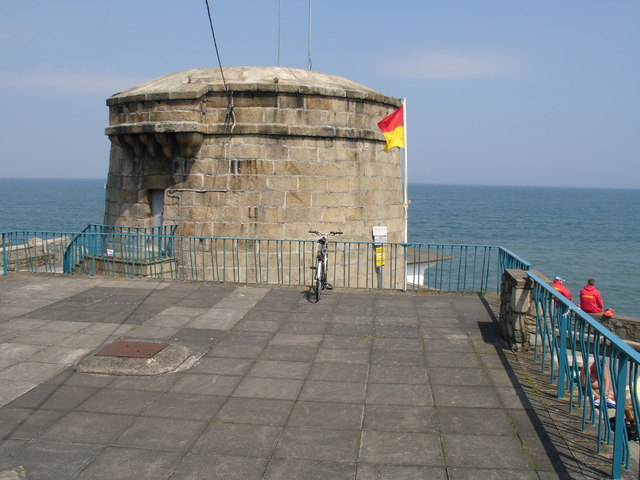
[575, 232]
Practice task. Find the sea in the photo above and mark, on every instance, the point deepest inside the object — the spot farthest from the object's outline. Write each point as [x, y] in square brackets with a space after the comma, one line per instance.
[576, 233]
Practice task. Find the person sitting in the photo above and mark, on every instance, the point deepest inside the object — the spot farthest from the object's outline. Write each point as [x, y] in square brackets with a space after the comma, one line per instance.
[590, 298]
[558, 284]
[595, 386]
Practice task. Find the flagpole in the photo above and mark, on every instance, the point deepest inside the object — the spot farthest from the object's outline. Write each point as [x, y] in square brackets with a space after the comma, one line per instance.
[405, 199]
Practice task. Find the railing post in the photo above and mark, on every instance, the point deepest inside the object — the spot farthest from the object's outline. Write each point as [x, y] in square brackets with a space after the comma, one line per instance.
[619, 438]
[94, 247]
[501, 268]
[562, 349]
[5, 263]
[404, 267]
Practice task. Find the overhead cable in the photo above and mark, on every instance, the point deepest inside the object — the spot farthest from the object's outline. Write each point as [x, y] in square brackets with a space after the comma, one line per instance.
[230, 116]
[215, 43]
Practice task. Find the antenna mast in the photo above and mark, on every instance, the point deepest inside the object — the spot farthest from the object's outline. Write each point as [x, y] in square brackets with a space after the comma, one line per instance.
[279, 25]
[309, 37]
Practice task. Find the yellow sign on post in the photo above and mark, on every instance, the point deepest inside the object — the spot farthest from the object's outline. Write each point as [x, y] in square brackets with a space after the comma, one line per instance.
[379, 256]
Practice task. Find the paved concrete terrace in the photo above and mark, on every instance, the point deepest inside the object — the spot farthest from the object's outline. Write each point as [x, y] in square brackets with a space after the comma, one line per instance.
[363, 385]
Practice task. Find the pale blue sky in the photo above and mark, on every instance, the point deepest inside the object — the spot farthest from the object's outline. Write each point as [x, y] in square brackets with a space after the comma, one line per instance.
[508, 92]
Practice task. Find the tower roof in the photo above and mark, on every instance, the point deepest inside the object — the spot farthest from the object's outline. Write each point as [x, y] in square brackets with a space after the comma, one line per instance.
[195, 83]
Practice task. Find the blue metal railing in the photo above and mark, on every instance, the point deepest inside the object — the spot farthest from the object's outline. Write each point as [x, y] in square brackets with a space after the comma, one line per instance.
[126, 247]
[458, 268]
[98, 249]
[72, 253]
[428, 267]
[587, 361]
[33, 251]
[156, 252]
[508, 259]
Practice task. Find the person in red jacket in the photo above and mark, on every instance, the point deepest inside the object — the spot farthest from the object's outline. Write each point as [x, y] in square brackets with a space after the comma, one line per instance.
[558, 285]
[590, 299]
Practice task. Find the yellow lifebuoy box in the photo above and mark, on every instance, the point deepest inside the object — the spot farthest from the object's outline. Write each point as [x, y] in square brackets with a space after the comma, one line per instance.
[379, 256]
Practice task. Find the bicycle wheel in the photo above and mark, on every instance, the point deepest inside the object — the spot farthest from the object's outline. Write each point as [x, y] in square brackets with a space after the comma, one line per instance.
[317, 288]
[319, 284]
[323, 277]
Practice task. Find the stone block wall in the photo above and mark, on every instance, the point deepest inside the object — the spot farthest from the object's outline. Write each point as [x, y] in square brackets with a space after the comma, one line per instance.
[627, 328]
[282, 197]
[517, 310]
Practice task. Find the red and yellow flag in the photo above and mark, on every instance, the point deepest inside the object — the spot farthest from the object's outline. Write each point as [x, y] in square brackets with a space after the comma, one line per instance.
[392, 127]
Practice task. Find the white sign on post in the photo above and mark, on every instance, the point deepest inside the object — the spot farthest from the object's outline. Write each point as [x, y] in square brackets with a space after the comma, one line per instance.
[380, 234]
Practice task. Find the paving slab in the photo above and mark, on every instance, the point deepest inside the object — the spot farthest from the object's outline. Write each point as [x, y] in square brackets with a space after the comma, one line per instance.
[285, 469]
[401, 448]
[257, 411]
[322, 444]
[219, 467]
[247, 440]
[364, 384]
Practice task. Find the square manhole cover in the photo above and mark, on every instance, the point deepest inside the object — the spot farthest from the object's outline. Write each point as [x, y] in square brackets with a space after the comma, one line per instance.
[131, 349]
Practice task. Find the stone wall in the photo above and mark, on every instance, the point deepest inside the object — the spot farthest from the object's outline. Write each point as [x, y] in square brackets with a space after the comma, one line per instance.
[627, 328]
[517, 317]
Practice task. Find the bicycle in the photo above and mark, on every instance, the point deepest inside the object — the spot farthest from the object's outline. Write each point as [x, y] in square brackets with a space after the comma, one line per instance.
[321, 266]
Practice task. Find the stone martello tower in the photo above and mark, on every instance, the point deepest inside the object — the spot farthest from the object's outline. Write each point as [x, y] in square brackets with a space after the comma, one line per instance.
[277, 153]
